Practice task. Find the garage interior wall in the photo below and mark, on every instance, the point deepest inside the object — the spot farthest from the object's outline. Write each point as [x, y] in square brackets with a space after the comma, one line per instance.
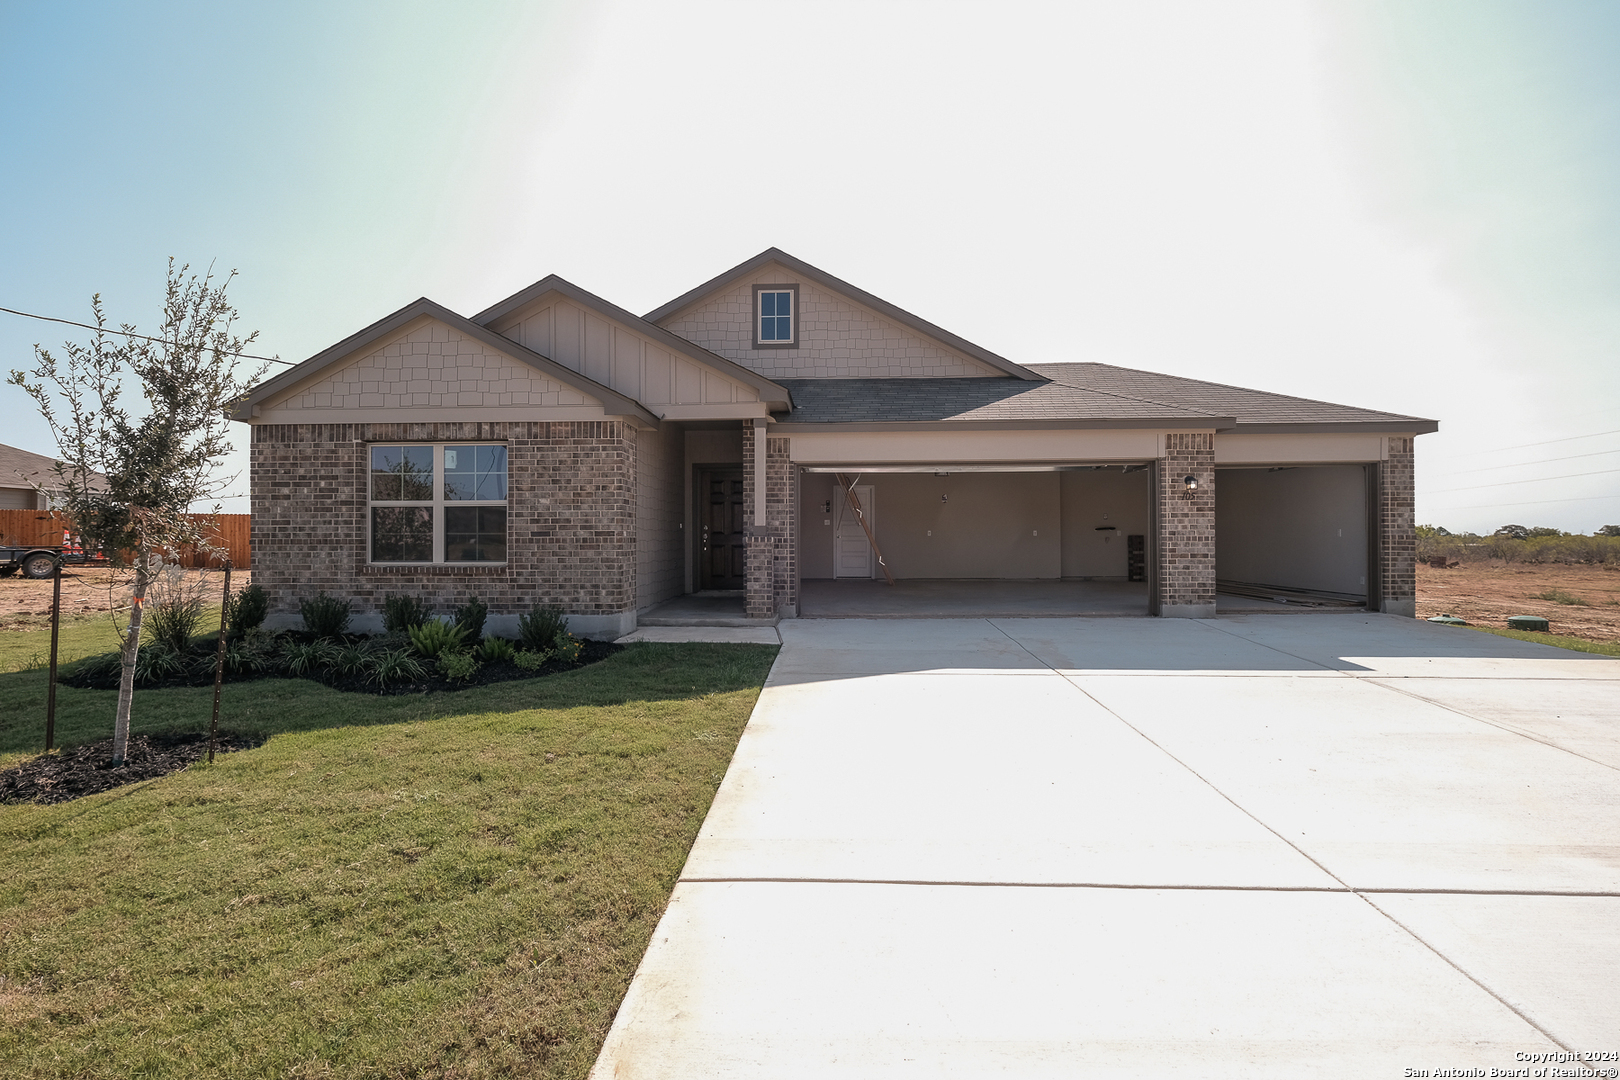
[1100, 498]
[985, 525]
[1298, 528]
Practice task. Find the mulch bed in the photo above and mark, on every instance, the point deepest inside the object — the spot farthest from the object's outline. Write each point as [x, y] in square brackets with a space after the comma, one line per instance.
[590, 652]
[85, 770]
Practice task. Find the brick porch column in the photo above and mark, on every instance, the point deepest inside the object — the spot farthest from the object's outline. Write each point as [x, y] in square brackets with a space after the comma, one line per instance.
[1185, 581]
[1397, 534]
[773, 565]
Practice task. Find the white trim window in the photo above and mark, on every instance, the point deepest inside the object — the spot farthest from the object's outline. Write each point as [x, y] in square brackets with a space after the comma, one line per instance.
[437, 503]
[776, 315]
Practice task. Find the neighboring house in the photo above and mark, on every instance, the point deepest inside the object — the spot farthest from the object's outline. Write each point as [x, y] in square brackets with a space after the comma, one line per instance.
[556, 448]
[21, 476]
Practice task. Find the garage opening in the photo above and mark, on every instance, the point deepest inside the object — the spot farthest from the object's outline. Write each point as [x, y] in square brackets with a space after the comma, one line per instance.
[974, 541]
[1293, 536]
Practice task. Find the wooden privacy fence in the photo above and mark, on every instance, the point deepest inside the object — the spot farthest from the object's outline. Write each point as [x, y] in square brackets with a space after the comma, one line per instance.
[29, 528]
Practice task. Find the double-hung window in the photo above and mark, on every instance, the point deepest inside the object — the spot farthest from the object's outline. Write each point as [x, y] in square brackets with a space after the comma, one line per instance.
[438, 503]
[776, 316]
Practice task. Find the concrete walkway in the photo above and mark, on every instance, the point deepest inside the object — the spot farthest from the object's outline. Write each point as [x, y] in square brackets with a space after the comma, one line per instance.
[1258, 846]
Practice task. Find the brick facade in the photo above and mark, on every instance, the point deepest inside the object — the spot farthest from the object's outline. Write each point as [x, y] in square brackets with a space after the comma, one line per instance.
[1397, 542]
[571, 518]
[1185, 577]
[773, 564]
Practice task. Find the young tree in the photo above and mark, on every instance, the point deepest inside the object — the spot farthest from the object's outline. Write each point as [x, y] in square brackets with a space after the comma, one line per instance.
[126, 478]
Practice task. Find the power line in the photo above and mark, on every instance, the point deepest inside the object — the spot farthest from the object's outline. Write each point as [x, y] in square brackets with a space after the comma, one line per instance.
[1537, 480]
[1549, 442]
[143, 337]
[1536, 502]
[1521, 464]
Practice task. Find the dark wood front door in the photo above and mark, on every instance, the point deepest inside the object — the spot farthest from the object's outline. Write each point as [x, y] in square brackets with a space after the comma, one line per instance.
[722, 555]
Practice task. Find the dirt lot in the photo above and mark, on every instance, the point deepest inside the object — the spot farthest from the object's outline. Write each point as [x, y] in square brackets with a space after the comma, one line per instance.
[1487, 594]
[25, 604]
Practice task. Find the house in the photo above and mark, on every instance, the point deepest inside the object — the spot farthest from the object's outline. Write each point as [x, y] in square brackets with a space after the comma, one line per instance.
[22, 474]
[557, 448]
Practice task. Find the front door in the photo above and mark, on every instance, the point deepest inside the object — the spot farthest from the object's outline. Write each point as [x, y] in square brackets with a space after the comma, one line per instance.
[723, 554]
[852, 555]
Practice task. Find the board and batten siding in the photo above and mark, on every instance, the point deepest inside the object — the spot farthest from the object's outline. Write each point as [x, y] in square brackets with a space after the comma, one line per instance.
[615, 356]
[838, 338]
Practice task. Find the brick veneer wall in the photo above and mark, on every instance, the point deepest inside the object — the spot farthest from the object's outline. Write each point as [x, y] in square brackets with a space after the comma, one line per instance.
[571, 515]
[1185, 580]
[773, 562]
[1397, 541]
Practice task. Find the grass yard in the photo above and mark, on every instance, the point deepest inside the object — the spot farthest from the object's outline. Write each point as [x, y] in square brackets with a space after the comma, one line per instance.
[80, 636]
[1574, 644]
[455, 885]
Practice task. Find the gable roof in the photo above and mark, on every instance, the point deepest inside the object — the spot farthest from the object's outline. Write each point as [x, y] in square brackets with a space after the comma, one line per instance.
[22, 468]
[861, 296]
[773, 394]
[614, 402]
[1086, 393]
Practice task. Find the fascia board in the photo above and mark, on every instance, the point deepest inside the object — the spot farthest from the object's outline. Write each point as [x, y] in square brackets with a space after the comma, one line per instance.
[1396, 426]
[767, 390]
[613, 402]
[1211, 423]
[838, 285]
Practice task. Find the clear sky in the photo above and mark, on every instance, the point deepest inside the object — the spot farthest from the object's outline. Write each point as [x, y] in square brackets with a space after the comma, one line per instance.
[1405, 206]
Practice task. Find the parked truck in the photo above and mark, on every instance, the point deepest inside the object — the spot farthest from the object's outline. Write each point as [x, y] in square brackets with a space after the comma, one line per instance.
[38, 560]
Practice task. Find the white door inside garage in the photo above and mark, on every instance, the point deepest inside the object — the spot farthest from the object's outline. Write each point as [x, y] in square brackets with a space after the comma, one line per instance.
[852, 551]
[1293, 529]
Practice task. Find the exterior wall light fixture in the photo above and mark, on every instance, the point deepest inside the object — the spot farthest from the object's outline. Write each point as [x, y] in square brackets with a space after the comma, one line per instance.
[1192, 484]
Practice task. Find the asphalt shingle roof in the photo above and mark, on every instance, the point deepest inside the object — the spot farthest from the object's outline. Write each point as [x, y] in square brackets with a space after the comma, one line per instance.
[1074, 392]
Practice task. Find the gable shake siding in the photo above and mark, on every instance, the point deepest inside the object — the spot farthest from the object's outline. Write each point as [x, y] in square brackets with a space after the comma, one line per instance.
[837, 339]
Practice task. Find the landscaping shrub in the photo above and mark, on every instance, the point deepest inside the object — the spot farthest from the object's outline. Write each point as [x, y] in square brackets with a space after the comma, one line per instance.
[542, 628]
[246, 610]
[470, 617]
[174, 607]
[252, 654]
[307, 658]
[495, 650]
[532, 659]
[403, 613]
[158, 661]
[325, 616]
[568, 647]
[458, 666]
[436, 636]
[389, 666]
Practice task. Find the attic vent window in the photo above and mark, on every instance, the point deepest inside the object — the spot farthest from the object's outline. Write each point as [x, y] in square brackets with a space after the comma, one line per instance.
[776, 316]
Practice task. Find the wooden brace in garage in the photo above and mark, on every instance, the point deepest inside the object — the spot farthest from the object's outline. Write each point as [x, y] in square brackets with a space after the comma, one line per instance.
[848, 487]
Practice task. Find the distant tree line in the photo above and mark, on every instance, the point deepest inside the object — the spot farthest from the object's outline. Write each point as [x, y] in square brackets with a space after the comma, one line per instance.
[1520, 543]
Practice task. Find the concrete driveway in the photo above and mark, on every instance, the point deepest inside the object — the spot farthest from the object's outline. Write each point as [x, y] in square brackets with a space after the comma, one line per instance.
[1283, 845]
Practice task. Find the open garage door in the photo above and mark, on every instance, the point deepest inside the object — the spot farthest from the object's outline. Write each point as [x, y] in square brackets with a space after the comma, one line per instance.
[979, 540]
[1293, 535]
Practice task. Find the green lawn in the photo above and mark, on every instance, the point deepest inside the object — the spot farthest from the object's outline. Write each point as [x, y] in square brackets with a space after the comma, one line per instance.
[1575, 644]
[81, 635]
[440, 885]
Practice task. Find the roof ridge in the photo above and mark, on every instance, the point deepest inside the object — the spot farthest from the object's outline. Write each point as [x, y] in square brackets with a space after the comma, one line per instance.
[1132, 397]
